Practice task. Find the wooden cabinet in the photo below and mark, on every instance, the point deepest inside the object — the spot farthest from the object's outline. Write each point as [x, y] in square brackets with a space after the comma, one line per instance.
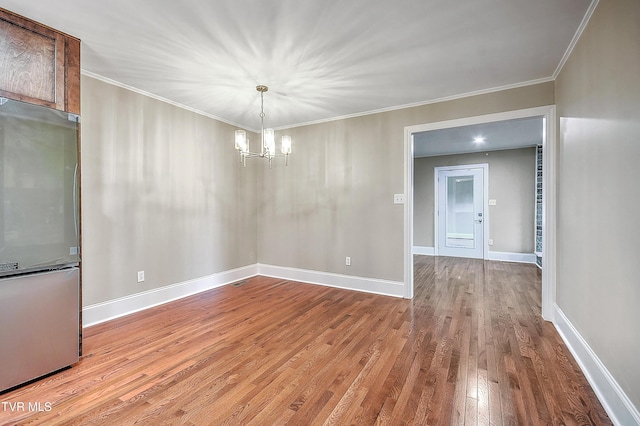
[38, 64]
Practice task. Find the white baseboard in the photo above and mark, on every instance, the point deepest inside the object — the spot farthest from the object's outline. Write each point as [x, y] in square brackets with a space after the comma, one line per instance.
[427, 251]
[101, 312]
[615, 402]
[512, 257]
[348, 282]
[493, 255]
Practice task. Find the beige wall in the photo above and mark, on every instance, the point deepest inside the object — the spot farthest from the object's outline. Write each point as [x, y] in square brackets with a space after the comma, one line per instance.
[511, 184]
[598, 100]
[161, 192]
[336, 197]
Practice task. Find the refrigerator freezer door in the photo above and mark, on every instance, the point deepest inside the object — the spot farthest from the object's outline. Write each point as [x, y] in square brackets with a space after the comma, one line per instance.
[39, 325]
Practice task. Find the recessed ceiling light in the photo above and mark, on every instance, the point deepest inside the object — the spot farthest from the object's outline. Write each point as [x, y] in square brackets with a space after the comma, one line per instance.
[478, 139]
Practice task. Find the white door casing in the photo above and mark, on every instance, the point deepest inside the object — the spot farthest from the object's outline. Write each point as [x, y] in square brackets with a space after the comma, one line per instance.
[548, 194]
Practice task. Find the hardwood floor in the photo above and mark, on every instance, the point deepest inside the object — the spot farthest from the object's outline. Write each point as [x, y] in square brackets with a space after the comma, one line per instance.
[471, 348]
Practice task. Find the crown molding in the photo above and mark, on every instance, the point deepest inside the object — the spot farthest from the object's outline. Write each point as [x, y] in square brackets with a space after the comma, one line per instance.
[575, 39]
[161, 99]
[422, 103]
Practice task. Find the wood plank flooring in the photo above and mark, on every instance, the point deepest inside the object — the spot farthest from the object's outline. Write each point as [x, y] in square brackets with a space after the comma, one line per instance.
[471, 348]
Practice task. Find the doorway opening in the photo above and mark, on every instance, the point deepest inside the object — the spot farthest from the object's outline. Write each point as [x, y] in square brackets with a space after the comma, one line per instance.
[547, 115]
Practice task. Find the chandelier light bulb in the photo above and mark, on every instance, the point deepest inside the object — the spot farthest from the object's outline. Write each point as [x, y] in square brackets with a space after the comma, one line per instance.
[269, 142]
[286, 145]
[242, 143]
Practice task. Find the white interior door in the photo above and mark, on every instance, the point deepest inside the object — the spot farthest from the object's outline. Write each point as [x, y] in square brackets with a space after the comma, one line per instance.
[460, 212]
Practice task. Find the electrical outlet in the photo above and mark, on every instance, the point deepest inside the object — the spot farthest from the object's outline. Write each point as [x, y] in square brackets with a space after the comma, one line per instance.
[398, 198]
[347, 261]
[140, 276]
[490, 241]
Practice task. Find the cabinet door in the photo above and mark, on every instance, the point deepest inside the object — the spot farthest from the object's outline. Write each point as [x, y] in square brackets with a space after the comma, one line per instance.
[38, 64]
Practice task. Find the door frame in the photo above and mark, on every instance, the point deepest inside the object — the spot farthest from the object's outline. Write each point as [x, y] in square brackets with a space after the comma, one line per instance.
[485, 204]
[549, 146]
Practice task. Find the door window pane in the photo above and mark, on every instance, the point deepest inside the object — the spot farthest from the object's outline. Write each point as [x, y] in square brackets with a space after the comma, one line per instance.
[459, 212]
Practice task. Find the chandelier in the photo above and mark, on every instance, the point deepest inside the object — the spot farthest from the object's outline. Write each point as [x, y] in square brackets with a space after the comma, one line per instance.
[268, 142]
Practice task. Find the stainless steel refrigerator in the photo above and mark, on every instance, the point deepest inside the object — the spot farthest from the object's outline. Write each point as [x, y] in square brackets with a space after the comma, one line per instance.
[39, 242]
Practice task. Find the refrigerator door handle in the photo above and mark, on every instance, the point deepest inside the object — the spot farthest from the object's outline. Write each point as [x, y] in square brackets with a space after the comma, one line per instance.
[75, 199]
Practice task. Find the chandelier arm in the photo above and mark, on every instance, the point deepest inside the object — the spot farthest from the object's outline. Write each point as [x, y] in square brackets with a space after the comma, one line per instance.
[250, 154]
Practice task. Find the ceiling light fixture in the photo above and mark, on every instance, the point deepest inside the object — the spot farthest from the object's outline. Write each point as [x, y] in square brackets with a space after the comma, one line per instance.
[478, 139]
[268, 143]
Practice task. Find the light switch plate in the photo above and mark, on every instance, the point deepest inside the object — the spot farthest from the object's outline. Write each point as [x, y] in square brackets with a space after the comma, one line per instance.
[492, 202]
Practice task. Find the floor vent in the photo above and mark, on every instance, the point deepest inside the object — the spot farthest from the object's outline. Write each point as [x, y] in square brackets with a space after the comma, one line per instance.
[239, 283]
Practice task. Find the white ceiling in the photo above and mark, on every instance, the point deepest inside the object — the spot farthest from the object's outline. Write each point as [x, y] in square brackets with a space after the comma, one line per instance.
[507, 134]
[321, 59]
